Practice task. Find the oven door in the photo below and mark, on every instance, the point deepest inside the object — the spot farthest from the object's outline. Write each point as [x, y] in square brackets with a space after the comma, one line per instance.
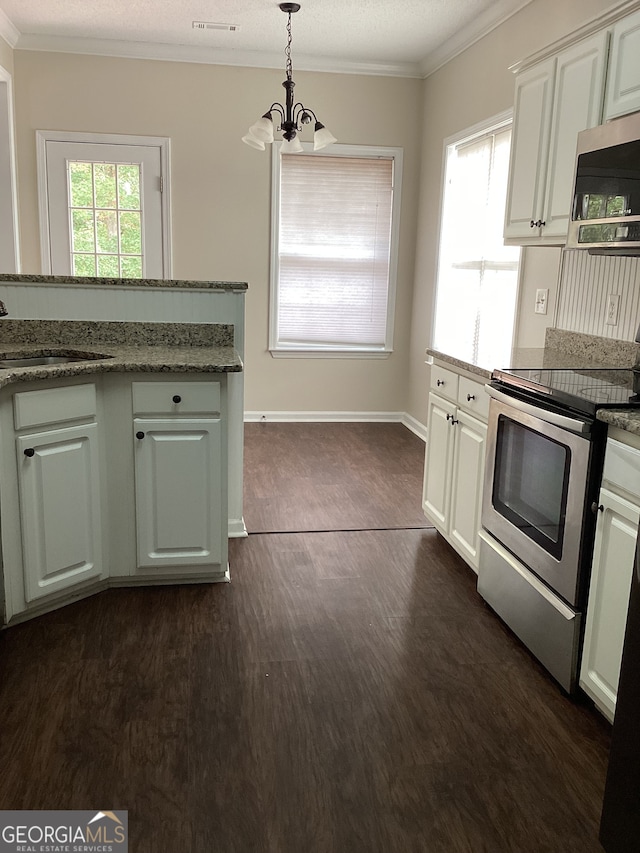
[535, 490]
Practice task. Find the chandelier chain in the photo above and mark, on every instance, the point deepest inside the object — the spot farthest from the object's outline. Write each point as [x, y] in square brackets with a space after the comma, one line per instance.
[287, 50]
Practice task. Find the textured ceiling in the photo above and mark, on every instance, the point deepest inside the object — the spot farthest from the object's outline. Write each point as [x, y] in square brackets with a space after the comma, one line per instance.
[376, 36]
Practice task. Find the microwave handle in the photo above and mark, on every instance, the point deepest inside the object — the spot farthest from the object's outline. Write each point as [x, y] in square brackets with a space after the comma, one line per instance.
[563, 421]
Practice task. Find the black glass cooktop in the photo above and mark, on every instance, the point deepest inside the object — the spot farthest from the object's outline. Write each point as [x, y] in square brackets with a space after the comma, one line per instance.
[585, 390]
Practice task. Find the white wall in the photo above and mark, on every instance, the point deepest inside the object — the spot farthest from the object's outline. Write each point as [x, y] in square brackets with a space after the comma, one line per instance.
[221, 189]
[6, 55]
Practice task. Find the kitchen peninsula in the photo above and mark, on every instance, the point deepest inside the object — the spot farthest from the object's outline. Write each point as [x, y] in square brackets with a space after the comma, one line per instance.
[121, 461]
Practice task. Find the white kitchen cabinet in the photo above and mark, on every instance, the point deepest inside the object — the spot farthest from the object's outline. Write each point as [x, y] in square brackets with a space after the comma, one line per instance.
[180, 480]
[554, 101]
[59, 509]
[529, 151]
[438, 461]
[616, 531]
[59, 491]
[466, 489]
[454, 462]
[623, 84]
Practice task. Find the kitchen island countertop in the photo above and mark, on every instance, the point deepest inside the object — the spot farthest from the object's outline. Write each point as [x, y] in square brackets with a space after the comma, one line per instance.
[119, 347]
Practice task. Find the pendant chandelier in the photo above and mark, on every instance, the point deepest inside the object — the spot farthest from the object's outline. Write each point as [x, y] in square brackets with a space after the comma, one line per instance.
[293, 117]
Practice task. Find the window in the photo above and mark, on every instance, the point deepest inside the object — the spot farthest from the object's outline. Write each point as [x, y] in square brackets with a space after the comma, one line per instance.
[477, 274]
[334, 249]
[106, 219]
[104, 205]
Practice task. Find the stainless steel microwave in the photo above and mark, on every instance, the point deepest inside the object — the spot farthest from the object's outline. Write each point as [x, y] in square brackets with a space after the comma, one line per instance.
[605, 211]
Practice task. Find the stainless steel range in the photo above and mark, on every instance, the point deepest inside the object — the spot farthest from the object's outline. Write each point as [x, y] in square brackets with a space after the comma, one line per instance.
[544, 462]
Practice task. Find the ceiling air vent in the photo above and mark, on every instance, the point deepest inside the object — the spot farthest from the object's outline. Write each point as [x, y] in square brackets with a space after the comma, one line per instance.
[209, 25]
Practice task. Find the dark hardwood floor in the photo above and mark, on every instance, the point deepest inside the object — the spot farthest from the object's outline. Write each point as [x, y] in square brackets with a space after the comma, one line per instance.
[307, 477]
[348, 692]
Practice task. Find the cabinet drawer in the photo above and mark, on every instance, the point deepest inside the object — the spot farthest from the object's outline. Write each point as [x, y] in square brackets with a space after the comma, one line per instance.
[176, 398]
[444, 382]
[54, 405]
[622, 467]
[473, 397]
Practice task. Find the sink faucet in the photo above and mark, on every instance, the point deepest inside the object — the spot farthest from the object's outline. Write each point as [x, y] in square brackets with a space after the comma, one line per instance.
[3, 309]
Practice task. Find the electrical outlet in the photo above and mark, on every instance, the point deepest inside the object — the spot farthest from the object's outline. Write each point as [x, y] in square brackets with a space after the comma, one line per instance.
[542, 297]
[613, 305]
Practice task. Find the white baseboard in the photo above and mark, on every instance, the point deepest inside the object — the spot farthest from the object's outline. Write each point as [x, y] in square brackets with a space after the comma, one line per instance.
[415, 426]
[237, 528]
[339, 417]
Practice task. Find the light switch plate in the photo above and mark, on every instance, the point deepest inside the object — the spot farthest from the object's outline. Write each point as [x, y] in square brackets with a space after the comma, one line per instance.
[542, 298]
[613, 306]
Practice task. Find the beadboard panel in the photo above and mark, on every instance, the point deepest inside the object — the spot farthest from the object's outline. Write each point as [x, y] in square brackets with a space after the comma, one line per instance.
[586, 284]
[31, 301]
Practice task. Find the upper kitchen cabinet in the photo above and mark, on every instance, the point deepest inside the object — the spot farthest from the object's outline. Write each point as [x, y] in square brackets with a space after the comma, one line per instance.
[623, 86]
[554, 100]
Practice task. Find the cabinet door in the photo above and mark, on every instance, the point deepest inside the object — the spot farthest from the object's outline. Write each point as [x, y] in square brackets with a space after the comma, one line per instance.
[59, 509]
[179, 494]
[438, 459]
[623, 85]
[577, 105]
[466, 489]
[529, 150]
[614, 551]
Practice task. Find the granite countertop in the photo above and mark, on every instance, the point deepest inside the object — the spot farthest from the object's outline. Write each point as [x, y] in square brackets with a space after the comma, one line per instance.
[565, 349]
[626, 419]
[83, 281]
[119, 347]
[562, 349]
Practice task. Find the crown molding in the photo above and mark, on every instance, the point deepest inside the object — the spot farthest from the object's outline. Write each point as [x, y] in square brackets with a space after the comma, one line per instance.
[593, 25]
[207, 56]
[481, 26]
[7, 30]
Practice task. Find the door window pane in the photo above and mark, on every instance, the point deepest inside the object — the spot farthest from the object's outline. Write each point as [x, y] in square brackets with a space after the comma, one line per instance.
[105, 241]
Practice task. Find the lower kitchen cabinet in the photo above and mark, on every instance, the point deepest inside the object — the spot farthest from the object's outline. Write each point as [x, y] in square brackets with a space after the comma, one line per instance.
[58, 475]
[88, 501]
[50, 493]
[454, 460]
[180, 478]
[618, 511]
[466, 491]
[178, 485]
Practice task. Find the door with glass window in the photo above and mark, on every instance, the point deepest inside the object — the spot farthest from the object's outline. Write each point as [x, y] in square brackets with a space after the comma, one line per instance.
[104, 210]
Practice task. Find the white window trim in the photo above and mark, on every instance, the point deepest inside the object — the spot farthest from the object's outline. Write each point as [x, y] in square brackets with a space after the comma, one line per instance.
[491, 124]
[161, 142]
[7, 120]
[309, 351]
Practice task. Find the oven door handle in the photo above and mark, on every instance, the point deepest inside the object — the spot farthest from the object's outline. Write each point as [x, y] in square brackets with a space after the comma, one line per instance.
[563, 421]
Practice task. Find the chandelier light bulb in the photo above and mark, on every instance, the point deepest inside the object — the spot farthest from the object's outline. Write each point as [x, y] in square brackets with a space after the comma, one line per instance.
[291, 146]
[263, 128]
[253, 142]
[322, 137]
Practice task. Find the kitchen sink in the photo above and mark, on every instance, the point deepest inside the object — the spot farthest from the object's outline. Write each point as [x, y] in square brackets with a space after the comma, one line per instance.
[40, 360]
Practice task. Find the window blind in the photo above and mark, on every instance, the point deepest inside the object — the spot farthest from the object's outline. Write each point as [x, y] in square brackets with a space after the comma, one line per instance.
[334, 245]
[477, 273]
